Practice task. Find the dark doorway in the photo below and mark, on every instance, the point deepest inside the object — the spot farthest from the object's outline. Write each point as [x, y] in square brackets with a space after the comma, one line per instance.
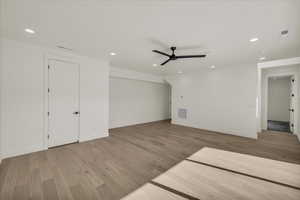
[279, 126]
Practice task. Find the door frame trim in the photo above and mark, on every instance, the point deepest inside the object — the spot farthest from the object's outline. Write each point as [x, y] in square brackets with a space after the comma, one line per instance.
[67, 59]
[266, 91]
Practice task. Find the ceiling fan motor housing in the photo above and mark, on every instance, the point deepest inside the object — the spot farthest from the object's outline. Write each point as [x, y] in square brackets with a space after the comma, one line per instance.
[174, 57]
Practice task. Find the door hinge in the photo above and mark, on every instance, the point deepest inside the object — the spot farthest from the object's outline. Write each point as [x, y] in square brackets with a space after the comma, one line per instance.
[48, 136]
[48, 113]
[48, 90]
[48, 66]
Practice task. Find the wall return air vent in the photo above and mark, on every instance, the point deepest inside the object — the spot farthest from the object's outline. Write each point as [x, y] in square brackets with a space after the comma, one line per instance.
[182, 113]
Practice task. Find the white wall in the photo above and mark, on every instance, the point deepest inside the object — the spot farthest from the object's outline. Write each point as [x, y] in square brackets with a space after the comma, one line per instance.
[23, 97]
[134, 75]
[279, 99]
[1, 64]
[135, 101]
[298, 104]
[222, 100]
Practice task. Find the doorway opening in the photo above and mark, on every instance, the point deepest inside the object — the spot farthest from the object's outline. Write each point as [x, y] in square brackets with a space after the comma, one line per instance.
[277, 102]
[170, 101]
[280, 104]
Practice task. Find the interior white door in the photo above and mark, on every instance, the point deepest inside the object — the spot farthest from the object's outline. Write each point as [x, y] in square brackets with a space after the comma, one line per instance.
[63, 101]
[292, 103]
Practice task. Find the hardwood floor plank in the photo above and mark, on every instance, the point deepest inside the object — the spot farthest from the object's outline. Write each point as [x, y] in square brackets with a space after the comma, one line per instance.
[3, 173]
[106, 192]
[49, 190]
[21, 192]
[150, 192]
[277, 171]
[63, 190]
[36, 191]
[10, 181]
[79, 193]
[205, 183]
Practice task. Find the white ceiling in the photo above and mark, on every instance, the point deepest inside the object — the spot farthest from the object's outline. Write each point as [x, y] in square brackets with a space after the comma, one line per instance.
[132, 28]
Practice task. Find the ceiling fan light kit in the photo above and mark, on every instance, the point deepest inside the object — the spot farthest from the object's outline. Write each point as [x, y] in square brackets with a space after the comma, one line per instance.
[174, 57]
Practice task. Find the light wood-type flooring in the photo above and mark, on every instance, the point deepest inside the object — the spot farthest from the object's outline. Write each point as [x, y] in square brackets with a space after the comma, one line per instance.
[112, 167]
[213, 174]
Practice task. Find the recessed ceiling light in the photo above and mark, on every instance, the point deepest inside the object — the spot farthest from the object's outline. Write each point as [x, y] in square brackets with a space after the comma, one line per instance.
[28, 30]
[253, 39]
[113, 54]
[212, 67]
[154, 65]
[262, 58]
[179, 72]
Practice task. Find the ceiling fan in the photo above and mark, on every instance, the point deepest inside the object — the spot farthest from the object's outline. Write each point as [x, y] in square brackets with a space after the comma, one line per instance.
[174, 57]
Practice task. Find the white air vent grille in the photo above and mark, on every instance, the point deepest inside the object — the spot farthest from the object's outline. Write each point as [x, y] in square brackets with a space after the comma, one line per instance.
[182, 113]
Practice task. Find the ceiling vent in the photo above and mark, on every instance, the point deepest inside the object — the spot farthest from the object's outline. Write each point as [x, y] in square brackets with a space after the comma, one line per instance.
[64, 48]
[284, 32]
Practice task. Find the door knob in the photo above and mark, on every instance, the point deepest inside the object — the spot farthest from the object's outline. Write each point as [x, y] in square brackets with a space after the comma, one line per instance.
[292, 110]
[76, 113]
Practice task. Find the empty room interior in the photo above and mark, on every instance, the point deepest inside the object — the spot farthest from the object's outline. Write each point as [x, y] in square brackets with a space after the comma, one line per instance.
[149, 100]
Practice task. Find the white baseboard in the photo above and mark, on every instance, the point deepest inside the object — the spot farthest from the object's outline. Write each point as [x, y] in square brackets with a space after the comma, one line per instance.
[298, 137]
[136, 123]
[104, 135]
[19, 152]
[34, 149]
[215, 131]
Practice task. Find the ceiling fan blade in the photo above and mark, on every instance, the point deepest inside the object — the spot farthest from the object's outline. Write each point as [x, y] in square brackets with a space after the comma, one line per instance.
[165, 62]
[162, 53]
[191, 56]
